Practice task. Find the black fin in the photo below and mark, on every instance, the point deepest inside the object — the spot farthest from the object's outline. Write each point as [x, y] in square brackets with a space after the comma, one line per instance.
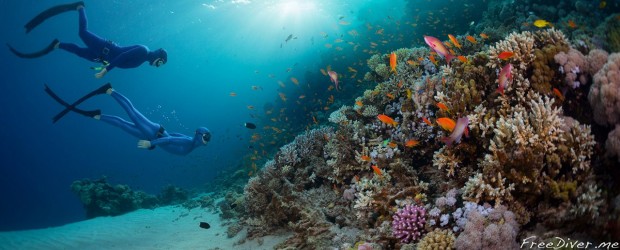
[72, 107]
[53, 11]
[40, 53]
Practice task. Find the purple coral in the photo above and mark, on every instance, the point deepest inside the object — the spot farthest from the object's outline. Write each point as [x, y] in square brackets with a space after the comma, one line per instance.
[408, 223]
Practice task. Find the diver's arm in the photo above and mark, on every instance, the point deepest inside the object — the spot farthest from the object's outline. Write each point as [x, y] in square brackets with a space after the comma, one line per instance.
[135, 54]
[165, 140]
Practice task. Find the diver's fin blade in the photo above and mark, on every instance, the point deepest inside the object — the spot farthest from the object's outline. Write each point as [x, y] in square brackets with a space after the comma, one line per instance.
[40, 53]
[72, 107]
[56, 97]
[61, 114]
[53, 11]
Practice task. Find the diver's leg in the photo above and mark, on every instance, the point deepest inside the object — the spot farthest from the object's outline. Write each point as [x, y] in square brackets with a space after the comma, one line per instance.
[81, 52]
[91, 40]
[142, 123]
[124, 125]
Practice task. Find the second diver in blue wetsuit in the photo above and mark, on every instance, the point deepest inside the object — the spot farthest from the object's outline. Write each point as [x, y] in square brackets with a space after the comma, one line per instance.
[97, 49]
[150, 134]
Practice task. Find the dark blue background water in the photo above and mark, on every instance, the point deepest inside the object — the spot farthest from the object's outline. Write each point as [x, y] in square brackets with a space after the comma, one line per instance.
[215, 47]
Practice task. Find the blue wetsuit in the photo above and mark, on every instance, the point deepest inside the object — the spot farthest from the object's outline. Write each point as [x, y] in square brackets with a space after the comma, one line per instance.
[100, 50]
[143, 128]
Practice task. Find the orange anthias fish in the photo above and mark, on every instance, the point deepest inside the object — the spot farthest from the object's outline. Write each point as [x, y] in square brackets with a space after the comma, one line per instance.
[393, 62]
[359, 103]
[389, 95]
[454, 41]
[387, 120]
[427, 121]
[377, 170]
[471, 39]
[505, 55]
[558, 94]
[392, 144]
[411, 143]
[295, 81]
[462, 59]
[333, 77]
[365, 158]
[442, 106]
[571, 24]
[484, 36]
[432, 58]
[446, 123]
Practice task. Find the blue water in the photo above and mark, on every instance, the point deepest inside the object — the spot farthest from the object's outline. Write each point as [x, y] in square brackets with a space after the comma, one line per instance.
[214, 48]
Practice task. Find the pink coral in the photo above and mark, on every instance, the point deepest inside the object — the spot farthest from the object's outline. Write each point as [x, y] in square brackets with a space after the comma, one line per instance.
[572, 64]
[612, 145]
[408, 223]
[604, 95]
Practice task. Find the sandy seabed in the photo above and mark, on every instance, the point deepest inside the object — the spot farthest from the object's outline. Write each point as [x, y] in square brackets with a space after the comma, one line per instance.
[170, 227]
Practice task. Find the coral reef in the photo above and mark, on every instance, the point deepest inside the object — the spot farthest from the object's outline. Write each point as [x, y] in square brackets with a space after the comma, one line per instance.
[527, 159]
[437, 239]
[102, 199]
[604, 95]
[408, 223]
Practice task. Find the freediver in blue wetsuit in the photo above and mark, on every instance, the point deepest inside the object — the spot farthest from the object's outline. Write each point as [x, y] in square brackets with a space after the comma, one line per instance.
[150, 134]
[97, 49]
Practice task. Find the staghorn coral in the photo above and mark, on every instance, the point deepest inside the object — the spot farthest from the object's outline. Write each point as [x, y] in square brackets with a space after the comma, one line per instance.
[589, 202]
[521, 44]
[445, 159]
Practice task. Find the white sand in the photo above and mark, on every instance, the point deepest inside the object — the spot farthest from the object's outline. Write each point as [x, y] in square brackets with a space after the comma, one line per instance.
[162, 228]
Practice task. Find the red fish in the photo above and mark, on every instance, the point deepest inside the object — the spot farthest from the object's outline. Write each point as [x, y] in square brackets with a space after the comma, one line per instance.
[377, 170]
[457, 133]
[442, 106]
[505, 55]
[505, 76]
[427, 121]
[438, 47]
[393, 62]
[462, 59]
[411, 143]
[333, 76]
[387, 120]
[454, 41]
[471, 39]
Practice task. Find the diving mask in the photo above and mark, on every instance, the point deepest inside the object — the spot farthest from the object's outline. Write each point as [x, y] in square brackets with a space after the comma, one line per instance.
[158, 62]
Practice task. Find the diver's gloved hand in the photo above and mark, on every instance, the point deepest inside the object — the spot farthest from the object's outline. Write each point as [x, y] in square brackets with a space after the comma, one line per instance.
[144, 144]
[101, 73]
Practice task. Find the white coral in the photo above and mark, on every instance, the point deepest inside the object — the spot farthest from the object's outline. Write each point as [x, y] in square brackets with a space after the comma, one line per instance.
[445, 159]
[477, 189]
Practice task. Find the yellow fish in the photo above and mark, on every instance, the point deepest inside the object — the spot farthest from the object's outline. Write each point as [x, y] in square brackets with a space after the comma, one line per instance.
[540, 23]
